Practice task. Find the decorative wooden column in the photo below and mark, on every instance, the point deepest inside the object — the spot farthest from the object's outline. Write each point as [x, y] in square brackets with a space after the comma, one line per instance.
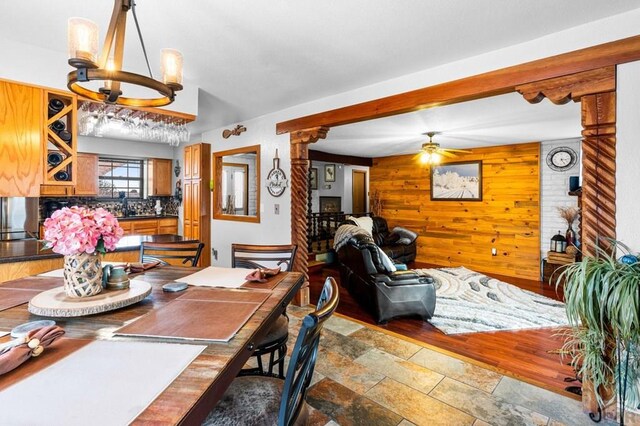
[300, 141]
[598, 171]
[596, 90]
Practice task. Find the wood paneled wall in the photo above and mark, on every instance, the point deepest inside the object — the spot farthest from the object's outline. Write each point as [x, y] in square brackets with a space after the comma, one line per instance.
[454, 233]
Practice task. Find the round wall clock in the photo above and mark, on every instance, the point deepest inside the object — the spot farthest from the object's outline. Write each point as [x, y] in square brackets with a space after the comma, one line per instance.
[562, 158]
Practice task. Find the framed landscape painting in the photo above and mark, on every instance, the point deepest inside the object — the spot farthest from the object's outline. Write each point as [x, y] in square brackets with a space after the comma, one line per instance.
[457, 181]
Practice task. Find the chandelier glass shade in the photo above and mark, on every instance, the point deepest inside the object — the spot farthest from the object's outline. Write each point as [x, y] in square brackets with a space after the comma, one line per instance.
[107, 66]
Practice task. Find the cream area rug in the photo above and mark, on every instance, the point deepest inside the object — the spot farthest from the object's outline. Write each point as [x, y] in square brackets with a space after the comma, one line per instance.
[471, 302]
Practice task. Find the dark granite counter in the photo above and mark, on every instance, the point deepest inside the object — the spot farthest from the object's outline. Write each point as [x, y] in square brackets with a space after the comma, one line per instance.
[27, 250]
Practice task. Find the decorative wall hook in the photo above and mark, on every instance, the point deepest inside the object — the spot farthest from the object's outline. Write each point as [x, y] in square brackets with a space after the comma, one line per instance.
[235, 132]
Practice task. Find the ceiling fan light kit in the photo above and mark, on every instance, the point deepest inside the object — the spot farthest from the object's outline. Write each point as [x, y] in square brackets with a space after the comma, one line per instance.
[431, 153]
[83, 55]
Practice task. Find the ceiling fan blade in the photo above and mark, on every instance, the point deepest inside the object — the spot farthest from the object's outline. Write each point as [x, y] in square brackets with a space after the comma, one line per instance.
[457, 150]
[446, 154]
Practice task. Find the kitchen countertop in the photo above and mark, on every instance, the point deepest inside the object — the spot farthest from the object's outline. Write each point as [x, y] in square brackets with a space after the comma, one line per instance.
[26, 250]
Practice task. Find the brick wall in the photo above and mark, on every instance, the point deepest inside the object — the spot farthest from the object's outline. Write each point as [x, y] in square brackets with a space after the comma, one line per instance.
[554, 192]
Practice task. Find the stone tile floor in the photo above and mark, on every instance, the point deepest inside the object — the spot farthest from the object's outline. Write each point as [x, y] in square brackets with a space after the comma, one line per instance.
[366, 377]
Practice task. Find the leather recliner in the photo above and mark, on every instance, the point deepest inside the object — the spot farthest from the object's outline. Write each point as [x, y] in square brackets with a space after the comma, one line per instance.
[386, 294]
[399, 244]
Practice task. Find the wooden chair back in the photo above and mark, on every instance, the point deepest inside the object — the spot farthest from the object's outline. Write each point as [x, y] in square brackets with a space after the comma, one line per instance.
[252, 256]
[303, 357]
[176, 253]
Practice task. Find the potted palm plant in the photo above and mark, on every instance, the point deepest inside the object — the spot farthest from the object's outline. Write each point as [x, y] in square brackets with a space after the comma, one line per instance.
[602, 297]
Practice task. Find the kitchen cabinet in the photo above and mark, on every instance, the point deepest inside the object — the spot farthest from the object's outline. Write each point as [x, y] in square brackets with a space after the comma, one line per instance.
[149, 226]
[20, 140]
[144, 227]
[87, 179]
[196, 197]
[87, 183]
[159, 171]
[168, 226]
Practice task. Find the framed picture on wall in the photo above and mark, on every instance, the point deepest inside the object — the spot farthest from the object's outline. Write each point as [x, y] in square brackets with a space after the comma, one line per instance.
[457, 181]
[313, 179]
[330, 173]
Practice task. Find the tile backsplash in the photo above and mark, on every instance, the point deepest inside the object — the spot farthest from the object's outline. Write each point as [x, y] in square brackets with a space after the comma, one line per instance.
[144, 207]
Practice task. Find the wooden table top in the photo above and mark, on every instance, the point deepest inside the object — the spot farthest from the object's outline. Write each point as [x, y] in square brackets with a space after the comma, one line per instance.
[199, 387]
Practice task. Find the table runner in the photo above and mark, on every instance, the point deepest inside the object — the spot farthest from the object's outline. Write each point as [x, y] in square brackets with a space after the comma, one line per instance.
[103, 383]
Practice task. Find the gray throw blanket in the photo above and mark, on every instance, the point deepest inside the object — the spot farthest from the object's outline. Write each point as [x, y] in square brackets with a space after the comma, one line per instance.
[344, 233]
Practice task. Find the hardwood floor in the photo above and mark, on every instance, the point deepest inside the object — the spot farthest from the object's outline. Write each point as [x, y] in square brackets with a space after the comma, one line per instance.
[519, 354]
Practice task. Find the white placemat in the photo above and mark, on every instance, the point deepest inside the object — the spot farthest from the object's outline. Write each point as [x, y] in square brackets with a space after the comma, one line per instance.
[59, 273]
[103, 383]
[214, 276]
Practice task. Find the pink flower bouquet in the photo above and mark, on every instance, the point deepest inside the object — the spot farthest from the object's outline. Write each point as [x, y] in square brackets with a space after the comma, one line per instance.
[77, 230]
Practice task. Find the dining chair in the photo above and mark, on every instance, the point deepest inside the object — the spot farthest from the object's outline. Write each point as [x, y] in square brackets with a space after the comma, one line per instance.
[274, 344]
[257, 400]
[186, 252]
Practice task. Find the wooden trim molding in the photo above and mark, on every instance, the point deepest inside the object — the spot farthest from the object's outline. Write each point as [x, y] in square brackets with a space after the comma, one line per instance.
[216, 165]
[491, 83]
[337, 158]
[570, 87]
[300, 141]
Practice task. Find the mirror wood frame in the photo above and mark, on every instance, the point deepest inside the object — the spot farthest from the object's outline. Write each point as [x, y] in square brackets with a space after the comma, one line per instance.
[216, 165]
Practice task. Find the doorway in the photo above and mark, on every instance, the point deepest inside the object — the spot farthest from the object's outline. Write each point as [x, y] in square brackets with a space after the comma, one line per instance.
[359, 191]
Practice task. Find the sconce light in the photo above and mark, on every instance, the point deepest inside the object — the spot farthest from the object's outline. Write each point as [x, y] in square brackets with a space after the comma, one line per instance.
[177, 169]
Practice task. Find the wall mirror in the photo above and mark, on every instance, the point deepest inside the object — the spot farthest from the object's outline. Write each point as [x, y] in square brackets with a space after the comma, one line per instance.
[236, 177]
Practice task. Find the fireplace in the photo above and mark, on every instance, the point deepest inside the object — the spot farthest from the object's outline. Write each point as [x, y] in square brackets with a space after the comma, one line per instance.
[330, 204]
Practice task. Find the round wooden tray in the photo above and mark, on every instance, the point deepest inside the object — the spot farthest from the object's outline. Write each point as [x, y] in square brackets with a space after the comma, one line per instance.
[55, 302]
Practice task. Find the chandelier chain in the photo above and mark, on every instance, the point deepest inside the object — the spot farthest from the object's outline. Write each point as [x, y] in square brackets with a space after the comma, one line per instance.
[144, 49]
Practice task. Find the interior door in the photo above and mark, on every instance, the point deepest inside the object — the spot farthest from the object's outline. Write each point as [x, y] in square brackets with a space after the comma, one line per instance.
[359, 191]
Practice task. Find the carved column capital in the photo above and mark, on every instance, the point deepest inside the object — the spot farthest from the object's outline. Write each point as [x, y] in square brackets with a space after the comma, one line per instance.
[307, 136]
[571, 87]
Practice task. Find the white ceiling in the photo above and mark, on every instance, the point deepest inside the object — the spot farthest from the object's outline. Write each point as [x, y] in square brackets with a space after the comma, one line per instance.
[500, 120]
[252, 57]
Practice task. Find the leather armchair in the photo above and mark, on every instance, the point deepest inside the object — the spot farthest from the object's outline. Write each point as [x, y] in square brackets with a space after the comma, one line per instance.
[386, 294]
[399, 244]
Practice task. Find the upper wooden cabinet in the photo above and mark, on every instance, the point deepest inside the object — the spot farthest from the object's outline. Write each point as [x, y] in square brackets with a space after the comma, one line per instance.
[21, 156]
[159, 171]
[194, 159]
[87, 183]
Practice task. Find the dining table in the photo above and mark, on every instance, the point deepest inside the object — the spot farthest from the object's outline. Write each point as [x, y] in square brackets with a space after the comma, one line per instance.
[195, 391]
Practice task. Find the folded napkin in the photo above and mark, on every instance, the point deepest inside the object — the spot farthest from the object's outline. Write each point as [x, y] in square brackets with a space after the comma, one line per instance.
[33, 344]
[261, 275]
[137, 267]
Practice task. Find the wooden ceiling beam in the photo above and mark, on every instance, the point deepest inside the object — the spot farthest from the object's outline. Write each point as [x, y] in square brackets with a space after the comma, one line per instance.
[337, 158]
[491, 83]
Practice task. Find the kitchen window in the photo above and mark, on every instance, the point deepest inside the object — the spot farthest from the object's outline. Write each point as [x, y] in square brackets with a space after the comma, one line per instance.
[118, 175]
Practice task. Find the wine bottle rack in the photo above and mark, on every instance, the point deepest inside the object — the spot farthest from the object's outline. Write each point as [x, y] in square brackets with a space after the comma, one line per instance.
[64, 172]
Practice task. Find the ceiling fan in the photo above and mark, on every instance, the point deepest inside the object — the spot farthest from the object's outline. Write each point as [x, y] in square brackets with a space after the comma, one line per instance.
[431, 153]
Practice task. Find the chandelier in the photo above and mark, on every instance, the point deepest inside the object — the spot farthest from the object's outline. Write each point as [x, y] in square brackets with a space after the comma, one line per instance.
[83, 55]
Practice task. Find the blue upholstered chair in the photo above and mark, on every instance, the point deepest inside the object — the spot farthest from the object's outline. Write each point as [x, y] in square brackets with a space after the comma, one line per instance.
[263, 400]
